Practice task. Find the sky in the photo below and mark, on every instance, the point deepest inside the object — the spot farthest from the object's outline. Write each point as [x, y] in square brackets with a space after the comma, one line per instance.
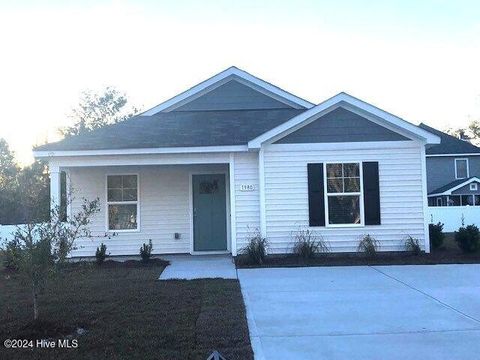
[419, 60]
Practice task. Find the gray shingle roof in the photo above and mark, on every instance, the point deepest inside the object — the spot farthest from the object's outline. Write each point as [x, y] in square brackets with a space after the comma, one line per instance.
[449, 144]
[179, 129]
[450, 185]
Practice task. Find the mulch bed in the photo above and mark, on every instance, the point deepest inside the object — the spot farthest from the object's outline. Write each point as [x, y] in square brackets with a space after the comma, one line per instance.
[440, 257]
[449, 253]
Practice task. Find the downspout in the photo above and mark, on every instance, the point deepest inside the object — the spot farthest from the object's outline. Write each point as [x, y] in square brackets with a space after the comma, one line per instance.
[261, 191]
[425, 200]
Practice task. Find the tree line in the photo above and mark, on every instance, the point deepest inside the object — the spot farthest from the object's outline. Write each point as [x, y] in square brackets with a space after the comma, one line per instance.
[471, 132]
[25, 191]
[20, 188]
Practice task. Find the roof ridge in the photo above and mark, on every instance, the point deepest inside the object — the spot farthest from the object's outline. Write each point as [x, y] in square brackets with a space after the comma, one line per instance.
[226, 110]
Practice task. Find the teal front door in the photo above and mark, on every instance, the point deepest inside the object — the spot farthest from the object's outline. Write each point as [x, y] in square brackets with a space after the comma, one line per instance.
[209, 212]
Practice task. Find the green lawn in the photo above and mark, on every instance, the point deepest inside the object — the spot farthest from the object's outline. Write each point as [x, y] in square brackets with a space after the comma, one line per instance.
[128, 314]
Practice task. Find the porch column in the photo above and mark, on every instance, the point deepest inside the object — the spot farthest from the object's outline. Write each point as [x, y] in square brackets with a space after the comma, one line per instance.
[233, 216]
[54, 186]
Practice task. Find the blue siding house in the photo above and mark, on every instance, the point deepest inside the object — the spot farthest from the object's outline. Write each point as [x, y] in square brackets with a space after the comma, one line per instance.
[453, 171]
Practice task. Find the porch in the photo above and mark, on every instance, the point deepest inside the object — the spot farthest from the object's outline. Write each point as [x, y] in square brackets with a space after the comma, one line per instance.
[181, 203]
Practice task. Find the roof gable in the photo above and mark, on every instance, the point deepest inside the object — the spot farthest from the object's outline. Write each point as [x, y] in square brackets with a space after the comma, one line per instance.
[449, 144]
[341, 125]
[224, 77]
[232, 95]
[353, 104]
[454, 185]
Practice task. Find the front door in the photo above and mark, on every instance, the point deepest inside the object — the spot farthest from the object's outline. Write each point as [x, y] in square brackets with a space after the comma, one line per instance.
[209, 212]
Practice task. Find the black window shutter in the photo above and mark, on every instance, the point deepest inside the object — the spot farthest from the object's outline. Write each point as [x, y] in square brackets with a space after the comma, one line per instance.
[371, 193]
[316, 200]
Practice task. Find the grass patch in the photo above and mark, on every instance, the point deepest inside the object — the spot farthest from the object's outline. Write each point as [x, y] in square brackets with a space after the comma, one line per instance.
[127, 314]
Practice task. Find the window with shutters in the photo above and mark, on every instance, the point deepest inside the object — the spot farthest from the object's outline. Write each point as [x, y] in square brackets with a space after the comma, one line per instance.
[344, 194]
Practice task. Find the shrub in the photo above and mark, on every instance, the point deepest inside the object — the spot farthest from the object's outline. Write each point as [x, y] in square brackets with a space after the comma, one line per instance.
[256, 250]
[436, 235]
[101, 253]
[369, 246]
[468, 238]
[12, 254]
[307, 244]
[412, 245]
[146, 251]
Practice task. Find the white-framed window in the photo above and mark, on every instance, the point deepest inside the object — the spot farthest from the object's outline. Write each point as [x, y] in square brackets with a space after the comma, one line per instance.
[461, 168]
[122, 202]
[439, 201]
[473, 187]
[344, 194]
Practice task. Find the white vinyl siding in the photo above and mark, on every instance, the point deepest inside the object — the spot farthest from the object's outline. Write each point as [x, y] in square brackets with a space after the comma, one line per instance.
[164, 200]
[401, 197]
[164, 207]
[247, 203]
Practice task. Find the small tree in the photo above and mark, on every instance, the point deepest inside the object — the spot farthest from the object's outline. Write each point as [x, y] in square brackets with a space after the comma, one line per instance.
[146, 251]
[436, 235]
[46, 245]
[468, 238]
[101, 253]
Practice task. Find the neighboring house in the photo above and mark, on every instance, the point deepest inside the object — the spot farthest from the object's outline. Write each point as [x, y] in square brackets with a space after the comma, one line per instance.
[453, 171]
[201, 171]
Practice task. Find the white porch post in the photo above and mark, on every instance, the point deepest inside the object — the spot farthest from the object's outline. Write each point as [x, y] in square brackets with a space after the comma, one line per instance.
[55, 192]
[233, 217]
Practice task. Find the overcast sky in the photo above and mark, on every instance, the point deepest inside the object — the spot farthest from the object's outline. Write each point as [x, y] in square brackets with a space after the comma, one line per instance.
[417, 59]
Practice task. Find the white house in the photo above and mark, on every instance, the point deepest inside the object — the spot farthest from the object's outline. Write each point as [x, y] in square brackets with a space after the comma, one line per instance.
[201, 171]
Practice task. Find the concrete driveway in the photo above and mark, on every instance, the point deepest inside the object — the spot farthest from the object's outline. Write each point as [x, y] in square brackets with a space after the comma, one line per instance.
[382, 312]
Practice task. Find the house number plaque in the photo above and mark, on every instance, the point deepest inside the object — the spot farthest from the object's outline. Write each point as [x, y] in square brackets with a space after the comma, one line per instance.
[247, 187]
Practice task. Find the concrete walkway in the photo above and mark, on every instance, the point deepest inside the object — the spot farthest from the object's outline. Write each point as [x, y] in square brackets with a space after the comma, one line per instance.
[364, 313]
[190, 267]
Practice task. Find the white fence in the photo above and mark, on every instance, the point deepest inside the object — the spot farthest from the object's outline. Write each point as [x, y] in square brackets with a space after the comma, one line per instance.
[452, 216]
